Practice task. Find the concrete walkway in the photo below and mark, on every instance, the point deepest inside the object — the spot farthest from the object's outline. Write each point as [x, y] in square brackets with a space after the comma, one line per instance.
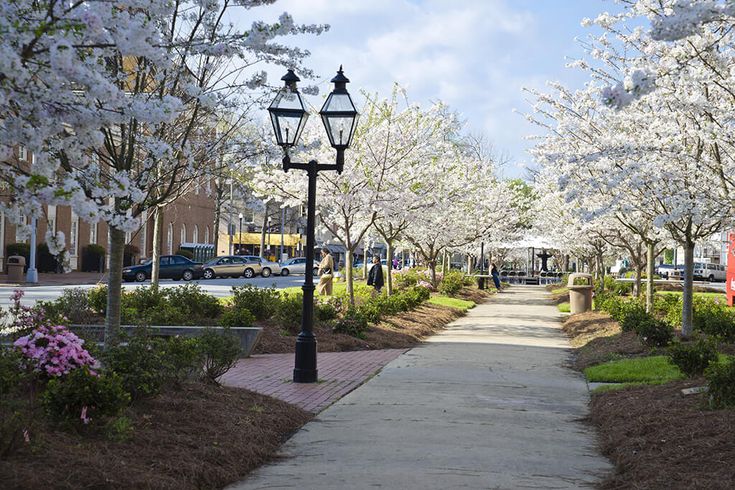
[485, 404]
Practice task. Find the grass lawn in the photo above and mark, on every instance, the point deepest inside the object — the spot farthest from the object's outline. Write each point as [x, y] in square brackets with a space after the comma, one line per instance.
[564, 307]
[457, 303]
[563, 290]
[654, 369]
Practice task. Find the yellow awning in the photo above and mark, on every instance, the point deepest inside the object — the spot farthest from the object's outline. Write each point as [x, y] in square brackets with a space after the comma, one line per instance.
[289, 239]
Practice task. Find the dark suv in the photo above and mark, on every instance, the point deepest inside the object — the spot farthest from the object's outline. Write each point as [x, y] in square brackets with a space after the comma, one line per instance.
[174, 267]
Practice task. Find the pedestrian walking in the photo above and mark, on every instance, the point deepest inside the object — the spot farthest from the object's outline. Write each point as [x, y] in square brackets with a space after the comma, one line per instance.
[496, 276]
[326, 274]
[375, 276]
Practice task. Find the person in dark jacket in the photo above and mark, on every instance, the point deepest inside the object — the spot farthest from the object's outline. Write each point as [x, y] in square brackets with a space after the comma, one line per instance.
[496, 276]
[375, 276]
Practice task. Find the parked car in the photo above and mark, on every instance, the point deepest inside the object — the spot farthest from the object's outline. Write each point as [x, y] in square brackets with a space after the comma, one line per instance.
[296, 265]
[174, 267]
[267, 267]
[703, 271]
[664, 270]
[231, 266]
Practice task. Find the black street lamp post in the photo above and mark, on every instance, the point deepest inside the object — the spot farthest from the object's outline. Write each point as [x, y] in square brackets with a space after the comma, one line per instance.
[288, 115]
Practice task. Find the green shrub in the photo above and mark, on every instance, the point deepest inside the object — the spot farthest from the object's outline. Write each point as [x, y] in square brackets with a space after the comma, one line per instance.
[129, 253]
[630, 315]
[372, 310]
[325, 311]
[693, 359]
[82, 395]
[45, 262]
[669, 307]
[97, 299]
[617, 287]
[182, 359]
[262, 302]
[721, 380]
[407, 278]
[140, 364]
[219, 352]
[713, 318]
[416, 295]
[452, 283]
[22, 249]
[290, 309]
[196, 305]
[11, 373]
[352, 323]
[236, 317]
[93, 258]
[653, 332]
[73, 305]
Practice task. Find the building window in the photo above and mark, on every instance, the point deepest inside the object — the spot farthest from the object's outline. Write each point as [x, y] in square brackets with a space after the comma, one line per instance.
[19, 238]
[51, 213]
[206, 235]
[128, 237]
[195, 236]
[93, 233]
[74, 234]
[22, 153]
[170, 238]
[183, 234]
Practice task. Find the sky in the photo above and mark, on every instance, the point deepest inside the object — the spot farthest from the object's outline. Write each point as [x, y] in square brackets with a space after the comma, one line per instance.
[475, 55]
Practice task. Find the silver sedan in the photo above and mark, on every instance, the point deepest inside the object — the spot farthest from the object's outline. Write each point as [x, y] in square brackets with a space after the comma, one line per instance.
[267, 266]
[296, 265]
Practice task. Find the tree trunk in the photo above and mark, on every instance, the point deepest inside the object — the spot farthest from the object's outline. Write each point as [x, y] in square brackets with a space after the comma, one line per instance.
[638, 279]
[348, 276]
[262, 233]
[157, 244]
[364, 262]
[432, 268]
[389, 279]
[217, 218]
[687, 325]
[114, 287]
[565, 263]
[469, 264]
[650, 246]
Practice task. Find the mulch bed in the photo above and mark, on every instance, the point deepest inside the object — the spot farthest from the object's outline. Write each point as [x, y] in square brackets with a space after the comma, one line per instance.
[659, 438]
[598, 338]
[200, 436]
[396, 332]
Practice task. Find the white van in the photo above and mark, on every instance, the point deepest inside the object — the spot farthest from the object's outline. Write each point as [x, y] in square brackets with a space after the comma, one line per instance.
[703, 271]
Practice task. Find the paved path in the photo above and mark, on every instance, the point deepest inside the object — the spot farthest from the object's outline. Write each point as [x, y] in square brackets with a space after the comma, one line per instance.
[485, 404]
[339, 373]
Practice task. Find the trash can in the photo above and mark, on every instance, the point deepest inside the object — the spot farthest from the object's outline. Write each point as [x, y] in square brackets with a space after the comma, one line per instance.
[480, 282]
[16, 265]
[580, 292]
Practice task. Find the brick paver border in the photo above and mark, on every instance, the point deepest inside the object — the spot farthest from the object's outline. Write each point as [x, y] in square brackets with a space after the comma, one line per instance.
[339, 374]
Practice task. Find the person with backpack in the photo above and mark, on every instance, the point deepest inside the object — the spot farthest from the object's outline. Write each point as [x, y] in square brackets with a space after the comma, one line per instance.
[375, 276]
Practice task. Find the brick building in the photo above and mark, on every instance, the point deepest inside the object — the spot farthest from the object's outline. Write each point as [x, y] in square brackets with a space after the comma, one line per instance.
[189, 220]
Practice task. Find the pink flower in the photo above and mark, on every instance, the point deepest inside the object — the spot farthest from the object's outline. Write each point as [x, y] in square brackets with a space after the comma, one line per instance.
[84, 417]
[26, 436]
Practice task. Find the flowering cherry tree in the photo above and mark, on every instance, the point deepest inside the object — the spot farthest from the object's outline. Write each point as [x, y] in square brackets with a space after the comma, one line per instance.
[118, 102]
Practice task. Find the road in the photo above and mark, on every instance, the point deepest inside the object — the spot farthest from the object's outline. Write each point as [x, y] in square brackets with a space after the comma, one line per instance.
[216, 287]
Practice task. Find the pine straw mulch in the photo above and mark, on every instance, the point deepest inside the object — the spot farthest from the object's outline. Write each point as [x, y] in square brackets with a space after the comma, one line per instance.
[659, 438]
[200, 436]
[400, 331]
[598, 338]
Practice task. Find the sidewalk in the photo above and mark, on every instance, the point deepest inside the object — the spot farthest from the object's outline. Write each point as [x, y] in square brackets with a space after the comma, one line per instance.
[50, 279]
[339, 373]
[485, 404]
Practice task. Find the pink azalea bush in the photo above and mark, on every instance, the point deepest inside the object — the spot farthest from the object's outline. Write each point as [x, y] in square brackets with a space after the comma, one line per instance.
[54, 350]
[426, 284]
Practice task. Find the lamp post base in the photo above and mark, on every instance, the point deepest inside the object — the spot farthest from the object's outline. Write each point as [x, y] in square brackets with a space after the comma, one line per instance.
[32, 276]
[305, 370]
